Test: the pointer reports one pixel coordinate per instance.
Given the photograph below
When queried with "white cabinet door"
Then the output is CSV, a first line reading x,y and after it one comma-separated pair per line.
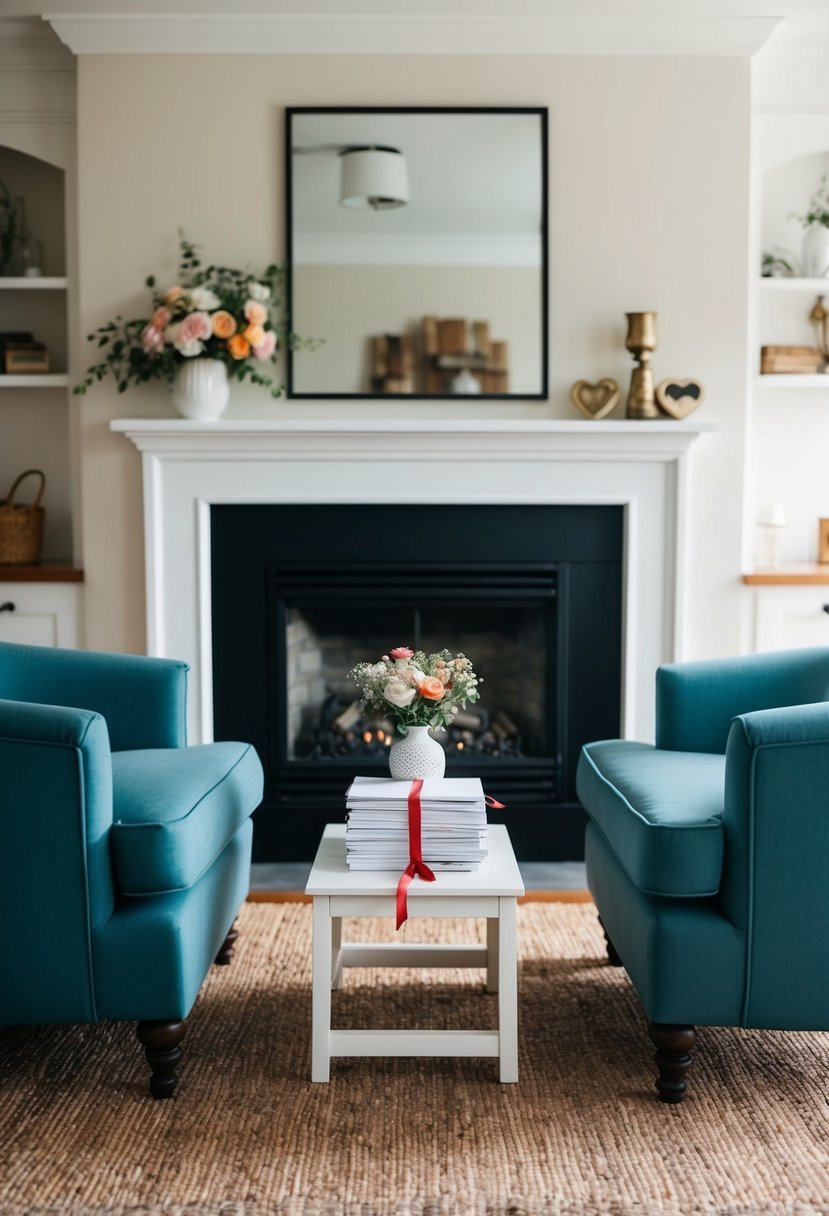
x,y
789,617
39,614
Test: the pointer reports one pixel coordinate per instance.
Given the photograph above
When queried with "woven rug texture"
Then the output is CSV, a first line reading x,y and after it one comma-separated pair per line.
x,y
581,1134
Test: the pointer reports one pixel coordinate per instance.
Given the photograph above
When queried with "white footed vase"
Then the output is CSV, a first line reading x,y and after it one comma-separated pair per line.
x,y
816,252
416,754
201,389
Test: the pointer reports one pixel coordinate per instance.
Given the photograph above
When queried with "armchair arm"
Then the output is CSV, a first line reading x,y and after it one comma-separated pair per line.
x,y
773,890
143,700
695,702
55,872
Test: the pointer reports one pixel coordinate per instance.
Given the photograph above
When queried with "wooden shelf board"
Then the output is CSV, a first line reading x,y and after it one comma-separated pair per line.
x,y
48,572
807,574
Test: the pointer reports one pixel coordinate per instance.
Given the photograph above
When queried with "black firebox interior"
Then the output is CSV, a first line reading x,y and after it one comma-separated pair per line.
x,y
532,594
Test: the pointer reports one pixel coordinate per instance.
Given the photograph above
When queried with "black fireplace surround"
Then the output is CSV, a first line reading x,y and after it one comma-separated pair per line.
x,y
532,594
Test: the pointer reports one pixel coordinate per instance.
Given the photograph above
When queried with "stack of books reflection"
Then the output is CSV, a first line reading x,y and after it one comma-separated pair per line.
x,y
453,831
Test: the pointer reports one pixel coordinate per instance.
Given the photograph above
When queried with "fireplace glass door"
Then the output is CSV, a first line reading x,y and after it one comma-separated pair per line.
x,y
506,626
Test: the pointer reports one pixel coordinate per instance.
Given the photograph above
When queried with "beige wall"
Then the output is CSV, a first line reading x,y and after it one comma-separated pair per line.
x,y
648,210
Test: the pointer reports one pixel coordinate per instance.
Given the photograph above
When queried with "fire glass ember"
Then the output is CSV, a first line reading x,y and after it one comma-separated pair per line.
x,y
343,730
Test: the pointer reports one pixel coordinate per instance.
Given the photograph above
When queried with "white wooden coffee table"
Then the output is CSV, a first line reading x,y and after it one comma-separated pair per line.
x,y
491,892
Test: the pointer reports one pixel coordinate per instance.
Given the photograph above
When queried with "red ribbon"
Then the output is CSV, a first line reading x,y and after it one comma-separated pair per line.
x,y
416,864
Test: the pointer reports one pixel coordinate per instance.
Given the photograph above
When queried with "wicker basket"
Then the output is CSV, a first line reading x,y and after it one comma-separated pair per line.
x,y
21,526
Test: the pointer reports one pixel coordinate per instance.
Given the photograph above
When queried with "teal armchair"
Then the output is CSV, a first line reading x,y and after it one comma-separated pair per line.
x,y
707,854
124,854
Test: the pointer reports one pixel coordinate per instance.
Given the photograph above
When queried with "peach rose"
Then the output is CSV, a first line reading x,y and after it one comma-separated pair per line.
x,y
254,334
255,312
173,294
224,325
239,347
430,688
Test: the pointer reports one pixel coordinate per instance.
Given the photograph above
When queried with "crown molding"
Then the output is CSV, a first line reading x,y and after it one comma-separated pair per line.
x,y
416,34
29,44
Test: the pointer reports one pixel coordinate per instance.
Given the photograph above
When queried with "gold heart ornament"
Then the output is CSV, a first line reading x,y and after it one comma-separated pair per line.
x,y
678,398
595,400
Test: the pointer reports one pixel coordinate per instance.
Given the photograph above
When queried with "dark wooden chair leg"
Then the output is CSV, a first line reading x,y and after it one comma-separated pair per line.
x,y
160,1041
226,949
612,956
674,1045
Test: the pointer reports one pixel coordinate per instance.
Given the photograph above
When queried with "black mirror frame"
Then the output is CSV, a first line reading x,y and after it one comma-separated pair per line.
x,y
541,113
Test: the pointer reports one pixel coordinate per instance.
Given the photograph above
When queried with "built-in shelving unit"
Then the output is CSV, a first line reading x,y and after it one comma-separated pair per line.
x,y
40,603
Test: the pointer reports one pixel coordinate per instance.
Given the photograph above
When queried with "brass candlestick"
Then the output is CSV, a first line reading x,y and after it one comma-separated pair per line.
x,y
641,342
819,316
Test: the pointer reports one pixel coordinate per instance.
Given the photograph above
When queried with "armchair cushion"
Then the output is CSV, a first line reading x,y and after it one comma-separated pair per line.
x,y
659,811
175,809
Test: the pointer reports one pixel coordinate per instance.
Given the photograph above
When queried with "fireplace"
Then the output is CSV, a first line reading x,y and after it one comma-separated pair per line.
x,y
643,469
532,594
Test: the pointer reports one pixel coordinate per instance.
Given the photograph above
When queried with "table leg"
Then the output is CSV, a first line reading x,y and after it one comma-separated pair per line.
x,y
508,989
336,951
492,954
321,991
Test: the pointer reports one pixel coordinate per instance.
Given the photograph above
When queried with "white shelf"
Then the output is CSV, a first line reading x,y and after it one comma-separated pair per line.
x,y
820,286
37,283
785,380
36,380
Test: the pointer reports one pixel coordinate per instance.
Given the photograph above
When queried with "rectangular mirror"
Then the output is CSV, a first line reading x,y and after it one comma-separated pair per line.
x,y
417,250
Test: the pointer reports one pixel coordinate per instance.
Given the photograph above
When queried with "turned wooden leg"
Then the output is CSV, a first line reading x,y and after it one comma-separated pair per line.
x,y
612,956
161,1045
674,1045
226,949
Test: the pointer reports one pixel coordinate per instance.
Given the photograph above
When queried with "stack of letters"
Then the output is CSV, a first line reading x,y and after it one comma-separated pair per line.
x,y
452,815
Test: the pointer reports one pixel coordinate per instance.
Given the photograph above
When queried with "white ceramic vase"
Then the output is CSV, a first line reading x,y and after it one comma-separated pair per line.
x,y
816,252
416,754
201,389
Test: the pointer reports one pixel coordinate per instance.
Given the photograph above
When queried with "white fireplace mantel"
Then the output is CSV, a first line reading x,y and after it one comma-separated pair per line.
x,y
189,466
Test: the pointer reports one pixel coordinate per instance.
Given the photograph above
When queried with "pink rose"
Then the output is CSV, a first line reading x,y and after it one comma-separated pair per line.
x,y
152,340
255,312
161,318
402,652
195,327
265,348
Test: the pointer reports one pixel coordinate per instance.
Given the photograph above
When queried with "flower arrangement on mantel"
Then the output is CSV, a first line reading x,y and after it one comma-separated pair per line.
x,y
211,312
416,689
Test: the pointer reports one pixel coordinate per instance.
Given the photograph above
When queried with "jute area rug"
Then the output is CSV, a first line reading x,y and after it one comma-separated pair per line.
x,y
249,1135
